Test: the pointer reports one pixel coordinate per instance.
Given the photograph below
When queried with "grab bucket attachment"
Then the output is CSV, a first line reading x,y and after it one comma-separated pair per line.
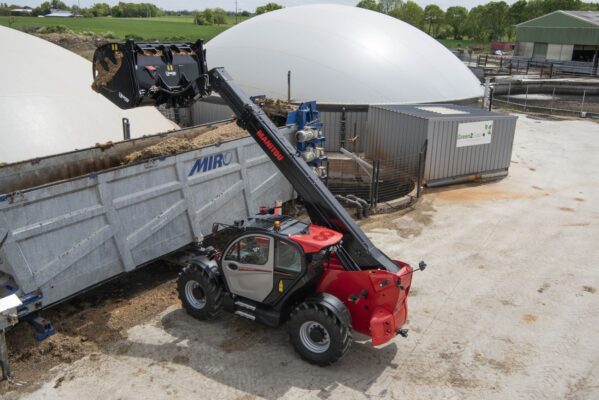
x,y
135,74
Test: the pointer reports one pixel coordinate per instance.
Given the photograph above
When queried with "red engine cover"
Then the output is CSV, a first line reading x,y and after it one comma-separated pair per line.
x,y
317,239
383,310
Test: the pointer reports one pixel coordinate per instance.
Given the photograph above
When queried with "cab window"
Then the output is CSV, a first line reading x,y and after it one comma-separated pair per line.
x,y
250,250
288,258
233,253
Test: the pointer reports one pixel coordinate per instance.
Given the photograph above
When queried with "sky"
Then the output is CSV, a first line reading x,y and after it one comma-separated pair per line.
x,y
249,5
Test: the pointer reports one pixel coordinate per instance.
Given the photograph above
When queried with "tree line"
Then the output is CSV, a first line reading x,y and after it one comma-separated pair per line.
x,y
495,20
217,16
143,10
208,16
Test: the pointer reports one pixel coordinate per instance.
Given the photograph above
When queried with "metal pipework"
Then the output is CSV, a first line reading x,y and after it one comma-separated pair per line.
x,y
364,203
351,203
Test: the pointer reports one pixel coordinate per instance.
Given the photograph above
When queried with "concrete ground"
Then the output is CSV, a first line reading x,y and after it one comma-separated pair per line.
x,y
508,307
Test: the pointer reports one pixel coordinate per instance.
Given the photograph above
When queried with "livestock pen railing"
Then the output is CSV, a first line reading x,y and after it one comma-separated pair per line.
x,y
564,100
374,182
508,65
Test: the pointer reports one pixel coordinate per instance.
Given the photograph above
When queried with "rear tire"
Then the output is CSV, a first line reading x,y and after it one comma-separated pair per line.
x,y
317,335
200,295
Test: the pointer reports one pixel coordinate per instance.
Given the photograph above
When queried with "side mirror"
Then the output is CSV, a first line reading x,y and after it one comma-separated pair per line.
x,y
421,265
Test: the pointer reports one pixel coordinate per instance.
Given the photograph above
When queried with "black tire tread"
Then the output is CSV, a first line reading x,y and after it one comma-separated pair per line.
x,y
298,316
212,289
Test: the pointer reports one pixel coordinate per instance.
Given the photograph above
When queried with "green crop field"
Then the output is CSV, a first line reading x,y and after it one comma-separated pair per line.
x,y
463,43
189,19
180,28
161,28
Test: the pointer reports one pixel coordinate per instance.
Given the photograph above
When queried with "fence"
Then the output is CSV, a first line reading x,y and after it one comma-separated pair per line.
x,y
550,99
502,65
377,181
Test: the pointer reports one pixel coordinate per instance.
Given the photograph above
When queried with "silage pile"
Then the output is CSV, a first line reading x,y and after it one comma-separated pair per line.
x,y
178,144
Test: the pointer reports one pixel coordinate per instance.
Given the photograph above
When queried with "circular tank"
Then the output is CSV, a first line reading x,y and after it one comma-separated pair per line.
x,y
47,105
340,55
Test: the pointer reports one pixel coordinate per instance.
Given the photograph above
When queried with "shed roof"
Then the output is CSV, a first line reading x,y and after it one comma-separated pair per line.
x,y
60,14
561,27
589,16
578,18
439,111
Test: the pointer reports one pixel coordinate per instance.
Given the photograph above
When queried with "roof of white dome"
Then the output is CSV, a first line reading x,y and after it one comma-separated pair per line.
x,y
47,105
342,55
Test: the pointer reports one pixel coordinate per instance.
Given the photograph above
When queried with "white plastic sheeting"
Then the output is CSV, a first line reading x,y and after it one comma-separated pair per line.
x,y
47,105
341,55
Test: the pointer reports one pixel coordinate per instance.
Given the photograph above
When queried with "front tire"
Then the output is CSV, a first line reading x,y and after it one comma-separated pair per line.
x,y
317,335
200,295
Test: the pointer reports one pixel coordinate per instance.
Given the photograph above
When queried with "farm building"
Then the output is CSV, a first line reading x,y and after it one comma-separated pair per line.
x,y
560,36
61,14
21,11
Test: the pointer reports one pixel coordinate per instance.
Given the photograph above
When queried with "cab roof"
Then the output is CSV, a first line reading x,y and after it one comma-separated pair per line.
x,y
312,238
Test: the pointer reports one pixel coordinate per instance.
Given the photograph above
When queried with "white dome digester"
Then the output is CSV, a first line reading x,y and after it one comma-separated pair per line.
x,y
340,55
47,105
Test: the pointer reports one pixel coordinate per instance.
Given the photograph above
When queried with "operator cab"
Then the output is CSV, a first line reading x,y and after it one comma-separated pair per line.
x,y
269,255
312,238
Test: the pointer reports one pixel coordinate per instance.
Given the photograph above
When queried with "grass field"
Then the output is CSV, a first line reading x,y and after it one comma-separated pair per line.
x,y
230,19
463,43
161,28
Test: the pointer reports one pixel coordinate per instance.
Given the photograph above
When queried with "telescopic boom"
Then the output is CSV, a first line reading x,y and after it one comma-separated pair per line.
x,y
135,74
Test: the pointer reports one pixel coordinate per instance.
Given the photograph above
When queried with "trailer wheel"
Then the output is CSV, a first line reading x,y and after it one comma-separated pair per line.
x,y
317,335
200,295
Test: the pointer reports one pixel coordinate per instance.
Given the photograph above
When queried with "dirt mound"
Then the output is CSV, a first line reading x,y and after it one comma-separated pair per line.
x,y
81,44
192,140
90,323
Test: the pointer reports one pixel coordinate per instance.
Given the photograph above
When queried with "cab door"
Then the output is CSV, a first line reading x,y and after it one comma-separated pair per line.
x,y
248,266
289,266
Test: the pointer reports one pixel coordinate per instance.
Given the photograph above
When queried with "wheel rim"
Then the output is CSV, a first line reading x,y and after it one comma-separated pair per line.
x,y
315,337
195,295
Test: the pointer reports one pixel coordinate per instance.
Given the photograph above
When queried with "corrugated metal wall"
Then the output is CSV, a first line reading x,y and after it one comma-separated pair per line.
x,y
204,112
445,160
71,235
399,132
212,109
394,136
355,125
585,36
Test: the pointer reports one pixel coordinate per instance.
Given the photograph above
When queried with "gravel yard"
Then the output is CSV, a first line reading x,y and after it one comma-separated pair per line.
x,y
508,308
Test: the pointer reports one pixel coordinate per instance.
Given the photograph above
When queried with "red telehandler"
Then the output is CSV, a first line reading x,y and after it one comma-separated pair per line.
x,y
322,279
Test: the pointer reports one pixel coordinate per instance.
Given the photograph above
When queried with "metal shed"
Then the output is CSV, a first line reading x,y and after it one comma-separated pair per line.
x,y
463,143
344,125
560,36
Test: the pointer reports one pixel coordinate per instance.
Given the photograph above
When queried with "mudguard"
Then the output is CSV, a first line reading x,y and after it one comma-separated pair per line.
x,y
333,304
204,263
